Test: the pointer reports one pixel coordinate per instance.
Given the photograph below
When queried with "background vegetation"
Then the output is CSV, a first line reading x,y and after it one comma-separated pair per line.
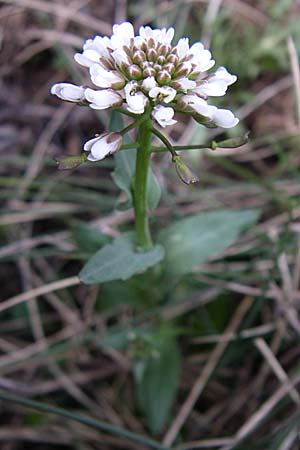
x,y
204,355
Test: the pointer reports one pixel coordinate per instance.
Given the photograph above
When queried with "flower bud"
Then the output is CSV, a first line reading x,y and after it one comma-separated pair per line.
x,y
151,43
134,72
68,92
184,172
160,59
152,54
163,77
139,57
163,49
149,72
169,67
103,145
172,59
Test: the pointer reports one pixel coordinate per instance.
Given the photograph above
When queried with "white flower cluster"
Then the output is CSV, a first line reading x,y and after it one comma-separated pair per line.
x,y
146,72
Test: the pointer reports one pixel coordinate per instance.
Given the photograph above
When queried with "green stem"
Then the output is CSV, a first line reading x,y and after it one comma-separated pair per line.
x,y
164,140
143,236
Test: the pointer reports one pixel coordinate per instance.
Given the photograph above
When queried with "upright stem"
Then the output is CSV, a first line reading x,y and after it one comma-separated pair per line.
x,y
143,236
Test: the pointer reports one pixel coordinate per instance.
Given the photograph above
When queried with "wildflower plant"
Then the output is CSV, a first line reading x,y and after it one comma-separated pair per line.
x,y
148,79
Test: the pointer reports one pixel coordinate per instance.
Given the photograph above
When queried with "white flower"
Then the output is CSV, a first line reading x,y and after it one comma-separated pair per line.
x,y
216,84
163,115
147,71
136,100
106,78
201,57
149,83
93,51
164,93
103,99
184,84
223,117
122,34
69,92
182,47
162,36
219,117
102,146
120,57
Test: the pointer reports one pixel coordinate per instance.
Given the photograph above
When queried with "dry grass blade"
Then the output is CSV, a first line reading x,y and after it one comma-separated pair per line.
x,y
66,13
262,413
277,368
205,375
51,287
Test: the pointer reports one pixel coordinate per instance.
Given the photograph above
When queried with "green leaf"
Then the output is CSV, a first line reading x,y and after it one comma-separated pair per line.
x,y
125,166
119,261
156,381
192,241
88,239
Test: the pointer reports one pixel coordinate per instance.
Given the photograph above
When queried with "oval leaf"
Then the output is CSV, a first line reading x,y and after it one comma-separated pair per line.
x,y
119,261
192,241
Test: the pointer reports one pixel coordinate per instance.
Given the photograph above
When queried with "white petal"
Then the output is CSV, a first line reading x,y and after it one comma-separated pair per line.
x,y
87,58
149,83
163,115
103,99
185,84
223,74
105,78
88,144
224,118
101,44
102,145
136,100
164,36
136,103
122,34
166,92
201,57
120,57
69,92
216,85
194,102
182,47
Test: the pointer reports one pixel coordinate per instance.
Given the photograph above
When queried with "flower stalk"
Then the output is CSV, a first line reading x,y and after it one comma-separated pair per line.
x,y
143,236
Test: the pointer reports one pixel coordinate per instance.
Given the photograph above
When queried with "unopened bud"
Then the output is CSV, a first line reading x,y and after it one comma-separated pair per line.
x,y
163,49
139,56
163,77
149,72
151,43
169,67
184,172
232,142
134,72
152,54
157,67
172,59
160,59
69,162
